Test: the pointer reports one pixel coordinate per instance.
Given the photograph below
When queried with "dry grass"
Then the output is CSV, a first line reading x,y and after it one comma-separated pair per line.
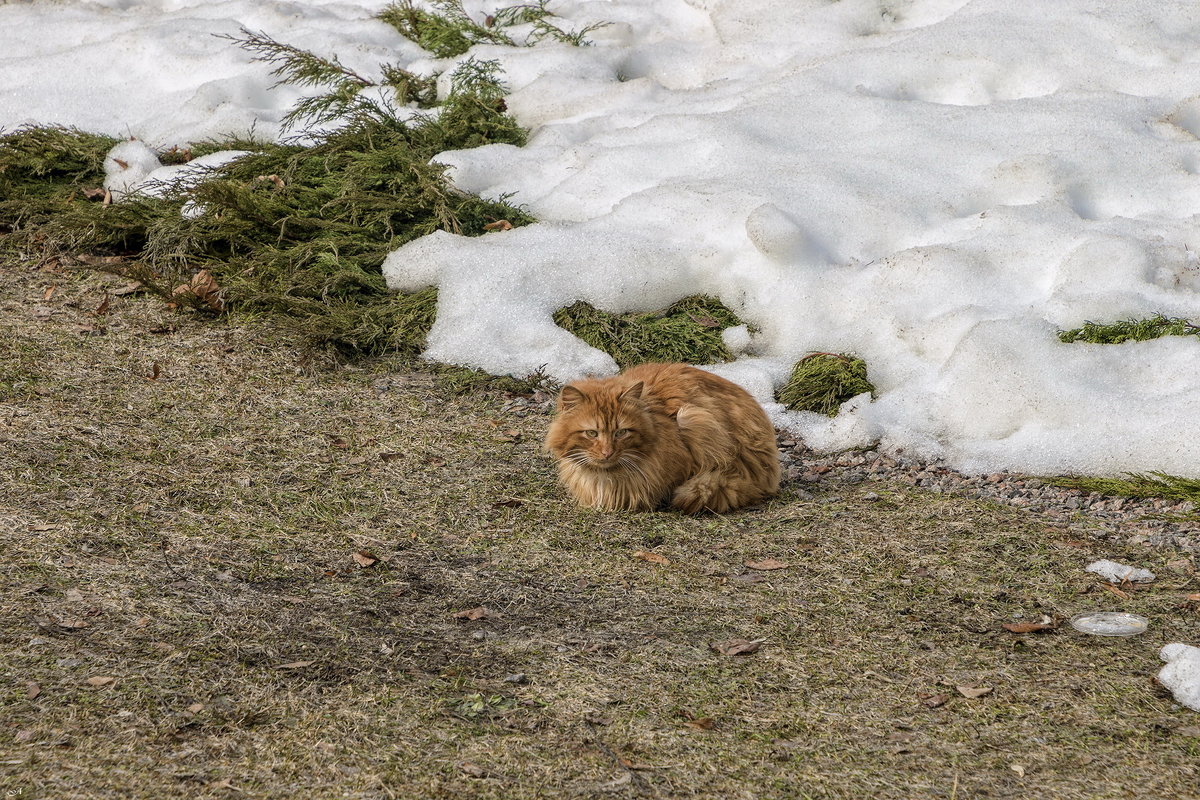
x,y
192,537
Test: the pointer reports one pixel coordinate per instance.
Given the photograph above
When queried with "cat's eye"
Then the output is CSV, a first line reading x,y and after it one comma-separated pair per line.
x,y
591,434
622,432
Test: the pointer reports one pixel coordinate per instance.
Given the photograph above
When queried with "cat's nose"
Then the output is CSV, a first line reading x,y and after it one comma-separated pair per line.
x,y
606,452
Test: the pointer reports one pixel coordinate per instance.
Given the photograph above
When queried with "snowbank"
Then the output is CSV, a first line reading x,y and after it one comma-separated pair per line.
x,y
938,188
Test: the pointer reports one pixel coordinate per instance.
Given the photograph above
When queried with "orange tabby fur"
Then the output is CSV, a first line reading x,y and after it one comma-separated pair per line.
x,y
663,433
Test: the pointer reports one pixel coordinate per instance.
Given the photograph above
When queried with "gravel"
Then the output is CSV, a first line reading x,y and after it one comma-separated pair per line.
x,y
1151,521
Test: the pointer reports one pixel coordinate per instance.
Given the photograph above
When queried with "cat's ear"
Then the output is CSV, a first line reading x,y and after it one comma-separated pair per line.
x,y
570,397
633,392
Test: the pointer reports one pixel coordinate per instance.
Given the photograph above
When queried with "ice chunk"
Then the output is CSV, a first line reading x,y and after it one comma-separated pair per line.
x,y
1181,675
1119,573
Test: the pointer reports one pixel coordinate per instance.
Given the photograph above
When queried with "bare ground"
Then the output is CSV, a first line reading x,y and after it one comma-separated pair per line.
x,y
234,568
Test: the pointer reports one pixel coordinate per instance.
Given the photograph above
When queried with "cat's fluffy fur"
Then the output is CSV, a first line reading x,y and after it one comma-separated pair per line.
x,y
663,434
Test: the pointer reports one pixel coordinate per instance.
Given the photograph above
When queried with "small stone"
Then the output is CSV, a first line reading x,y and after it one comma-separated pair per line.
x,y
517,677
479,635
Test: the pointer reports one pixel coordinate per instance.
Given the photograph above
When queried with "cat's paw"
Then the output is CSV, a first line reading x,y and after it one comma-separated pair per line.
x,y
701,493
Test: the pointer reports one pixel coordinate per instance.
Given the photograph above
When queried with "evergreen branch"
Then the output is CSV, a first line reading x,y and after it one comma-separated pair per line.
x,y
296,66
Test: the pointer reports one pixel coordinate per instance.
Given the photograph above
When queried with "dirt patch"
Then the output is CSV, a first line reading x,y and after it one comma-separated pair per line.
x,y
236,567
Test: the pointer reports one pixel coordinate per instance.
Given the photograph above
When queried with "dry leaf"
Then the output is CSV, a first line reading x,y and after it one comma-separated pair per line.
x,y
363,558
97,193
102,309
196,708
499,225
473,614
737,647
474,770
100,680
32,691
1017,768
275,179
1195,597
1028,627
74,595
41,527
700,724
73,623
510,503
390,456
129,288
296,665
934,700
123,164
25,735
1116,591
50,290
767,564
652,557
155,371
202,289
973,692
101,261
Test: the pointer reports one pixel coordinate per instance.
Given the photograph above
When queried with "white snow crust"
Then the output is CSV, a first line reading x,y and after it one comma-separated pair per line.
x,y
1181,675
937,186
1115,572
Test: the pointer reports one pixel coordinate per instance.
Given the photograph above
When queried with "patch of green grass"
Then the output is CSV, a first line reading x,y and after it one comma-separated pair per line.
x,y
821,382
1137,330
1154,484
688,331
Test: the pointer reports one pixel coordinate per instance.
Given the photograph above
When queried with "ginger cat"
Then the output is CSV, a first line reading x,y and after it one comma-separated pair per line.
x,y
663,434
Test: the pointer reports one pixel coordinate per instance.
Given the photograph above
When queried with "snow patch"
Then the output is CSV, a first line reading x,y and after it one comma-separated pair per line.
x,y
1115,572
1181,675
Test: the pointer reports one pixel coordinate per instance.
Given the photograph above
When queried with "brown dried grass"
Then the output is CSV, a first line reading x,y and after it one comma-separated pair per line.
x,y
201,524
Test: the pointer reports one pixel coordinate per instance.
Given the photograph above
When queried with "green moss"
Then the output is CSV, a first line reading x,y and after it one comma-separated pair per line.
x,y
821,382
688,331
1138,330
1154,484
